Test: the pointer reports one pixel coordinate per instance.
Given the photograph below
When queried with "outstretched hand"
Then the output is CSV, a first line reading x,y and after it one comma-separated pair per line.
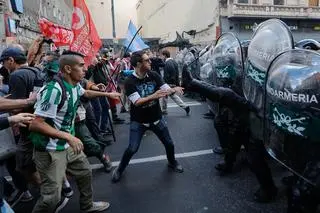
x,y
178,90
23,119
160,94
114,95
101,87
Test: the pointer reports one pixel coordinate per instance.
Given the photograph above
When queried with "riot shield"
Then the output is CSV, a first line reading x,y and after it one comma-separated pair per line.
x,y
292,110
206,73
228,63
271,38
245,46
206,64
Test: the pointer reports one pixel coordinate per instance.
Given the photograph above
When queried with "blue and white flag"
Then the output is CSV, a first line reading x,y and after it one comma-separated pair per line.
x,y
137,44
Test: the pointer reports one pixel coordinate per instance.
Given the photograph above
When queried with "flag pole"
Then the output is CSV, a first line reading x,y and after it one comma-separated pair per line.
x,y
126,50
135,35
104,66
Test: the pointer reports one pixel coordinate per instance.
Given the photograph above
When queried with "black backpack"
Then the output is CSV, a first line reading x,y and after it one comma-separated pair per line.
x,y
40,81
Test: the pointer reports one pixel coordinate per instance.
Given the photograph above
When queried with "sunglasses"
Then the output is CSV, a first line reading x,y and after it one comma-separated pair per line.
x,y
147,60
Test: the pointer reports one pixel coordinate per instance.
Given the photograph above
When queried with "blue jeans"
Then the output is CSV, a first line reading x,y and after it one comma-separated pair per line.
x,y
95,103
101,111
137,131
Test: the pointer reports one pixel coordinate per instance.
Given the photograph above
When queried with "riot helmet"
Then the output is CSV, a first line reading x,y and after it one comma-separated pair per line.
x,y
271,38
228,63
292,110
309,44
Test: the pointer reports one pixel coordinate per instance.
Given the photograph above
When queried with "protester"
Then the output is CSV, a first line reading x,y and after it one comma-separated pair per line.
x,y
57,150
171,77
20,119
21,84
156,63
125,67
144,88
92,147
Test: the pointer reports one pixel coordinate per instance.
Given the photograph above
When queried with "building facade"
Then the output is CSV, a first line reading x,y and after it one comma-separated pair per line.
x,y
207,19
240,16
100,11
163,18
19,18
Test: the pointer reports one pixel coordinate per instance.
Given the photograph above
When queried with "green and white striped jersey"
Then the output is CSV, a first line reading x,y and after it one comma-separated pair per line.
x,y
49,97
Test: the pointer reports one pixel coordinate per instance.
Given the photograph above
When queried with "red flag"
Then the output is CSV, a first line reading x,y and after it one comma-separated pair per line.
x,y
60,35
86,39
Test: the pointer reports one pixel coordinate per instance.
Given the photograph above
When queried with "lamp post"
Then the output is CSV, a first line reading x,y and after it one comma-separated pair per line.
x,y
113,20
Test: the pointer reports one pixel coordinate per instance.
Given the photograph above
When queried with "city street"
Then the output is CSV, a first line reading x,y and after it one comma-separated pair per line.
x,y
149,187
259,58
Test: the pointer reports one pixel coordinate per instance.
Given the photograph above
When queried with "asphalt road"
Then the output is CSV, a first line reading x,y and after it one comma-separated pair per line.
x,y
149,187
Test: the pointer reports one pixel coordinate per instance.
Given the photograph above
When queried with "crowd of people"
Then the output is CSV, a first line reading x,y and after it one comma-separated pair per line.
x,y
59,113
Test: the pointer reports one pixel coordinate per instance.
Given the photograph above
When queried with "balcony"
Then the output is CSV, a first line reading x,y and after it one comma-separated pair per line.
x,y
3,6
271,11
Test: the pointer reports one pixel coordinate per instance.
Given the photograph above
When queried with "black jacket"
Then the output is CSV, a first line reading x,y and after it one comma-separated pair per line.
x,y
4,123
156,64
98,74
171,72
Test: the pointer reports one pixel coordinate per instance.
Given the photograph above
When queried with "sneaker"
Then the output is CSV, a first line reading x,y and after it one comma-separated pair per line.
x,y
118,121
176,167
97,207
104,140
187,109
288,180
123,110
6,208
264,196
107,164
26,197
116,175
224,168
15,197
218,150
209,113
67,192
106,133
62,203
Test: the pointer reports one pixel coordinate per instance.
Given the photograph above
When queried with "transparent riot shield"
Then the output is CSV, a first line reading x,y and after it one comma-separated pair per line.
x,y
228,63
292,110
206,73
245,46
206,64
271,38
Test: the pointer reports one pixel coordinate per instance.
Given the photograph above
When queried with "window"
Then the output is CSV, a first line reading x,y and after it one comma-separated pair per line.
x,y
255,1
243,1
278,2
45,12
54,12
313,3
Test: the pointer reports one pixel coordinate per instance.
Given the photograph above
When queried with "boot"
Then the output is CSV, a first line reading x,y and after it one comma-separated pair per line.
x,y
265,195
224,168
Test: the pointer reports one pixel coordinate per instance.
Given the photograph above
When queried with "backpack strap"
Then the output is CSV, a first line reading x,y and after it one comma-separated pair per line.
x,y
35,70
59,80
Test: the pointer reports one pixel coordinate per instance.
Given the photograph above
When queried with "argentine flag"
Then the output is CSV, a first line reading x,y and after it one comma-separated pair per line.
x,y
137,43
